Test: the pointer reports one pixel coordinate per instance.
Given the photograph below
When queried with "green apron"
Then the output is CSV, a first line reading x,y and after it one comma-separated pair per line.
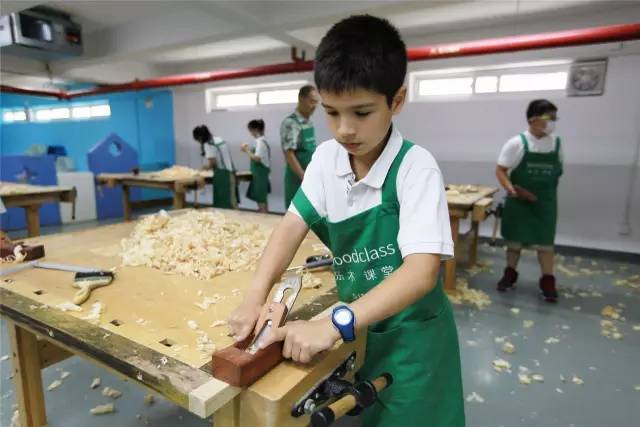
x,y
303,153
418,346
260,186
225,190
534,223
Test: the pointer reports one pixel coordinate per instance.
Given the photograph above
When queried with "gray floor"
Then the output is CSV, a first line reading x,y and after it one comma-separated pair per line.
x,y
610,395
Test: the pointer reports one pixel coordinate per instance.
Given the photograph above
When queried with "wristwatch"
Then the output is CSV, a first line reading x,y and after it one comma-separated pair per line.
x,y
344,321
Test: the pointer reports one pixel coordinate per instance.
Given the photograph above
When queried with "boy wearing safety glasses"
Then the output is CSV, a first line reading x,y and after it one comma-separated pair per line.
x,y
529,168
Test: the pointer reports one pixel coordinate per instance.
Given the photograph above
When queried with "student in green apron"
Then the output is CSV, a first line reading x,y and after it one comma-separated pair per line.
x,y
529,168
378,202
218,155
298,139
260,163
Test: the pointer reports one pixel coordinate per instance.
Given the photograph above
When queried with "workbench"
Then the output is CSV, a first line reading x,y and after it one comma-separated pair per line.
x,y
143,334
464,204
31,197
178,186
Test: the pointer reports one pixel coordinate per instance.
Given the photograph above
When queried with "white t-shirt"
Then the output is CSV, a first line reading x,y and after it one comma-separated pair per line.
x,y
262,151
513,151
424,216
211,152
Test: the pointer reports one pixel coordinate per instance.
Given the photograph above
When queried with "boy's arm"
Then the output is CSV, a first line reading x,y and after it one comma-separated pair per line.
x,y
275,259
410,282
503,178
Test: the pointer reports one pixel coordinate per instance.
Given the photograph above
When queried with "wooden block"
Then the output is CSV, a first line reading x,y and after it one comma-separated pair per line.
x,y
31,251
237,367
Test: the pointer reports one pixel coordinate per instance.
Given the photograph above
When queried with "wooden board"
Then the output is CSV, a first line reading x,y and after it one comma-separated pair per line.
x,y
17,194
151,180
144,311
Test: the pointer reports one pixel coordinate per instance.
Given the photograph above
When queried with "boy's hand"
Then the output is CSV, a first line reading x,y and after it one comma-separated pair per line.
x,y
244,147
304,339
243,319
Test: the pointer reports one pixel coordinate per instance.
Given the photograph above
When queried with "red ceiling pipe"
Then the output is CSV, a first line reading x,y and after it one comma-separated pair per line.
x,y
612,33
12,89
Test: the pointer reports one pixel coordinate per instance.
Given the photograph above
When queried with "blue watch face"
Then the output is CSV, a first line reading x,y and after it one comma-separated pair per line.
x,y
343,317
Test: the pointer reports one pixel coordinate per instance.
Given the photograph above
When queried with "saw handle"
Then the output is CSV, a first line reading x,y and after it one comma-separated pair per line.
x,y
365,397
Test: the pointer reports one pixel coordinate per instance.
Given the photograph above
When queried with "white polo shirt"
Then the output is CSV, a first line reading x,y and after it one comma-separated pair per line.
x,y
424,216
513,151
262,151
211,152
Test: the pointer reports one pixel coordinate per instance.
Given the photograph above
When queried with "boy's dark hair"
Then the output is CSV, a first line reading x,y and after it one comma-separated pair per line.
x,y
539,107
201,134
305,91
257,124
361,52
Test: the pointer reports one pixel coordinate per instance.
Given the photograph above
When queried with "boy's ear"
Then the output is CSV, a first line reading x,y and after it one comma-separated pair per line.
x,y
398,100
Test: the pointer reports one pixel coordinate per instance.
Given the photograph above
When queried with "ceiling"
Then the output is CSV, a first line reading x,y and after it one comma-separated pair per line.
x,y
126,40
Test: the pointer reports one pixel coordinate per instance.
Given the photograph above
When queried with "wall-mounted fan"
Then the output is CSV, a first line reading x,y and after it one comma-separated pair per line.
x,y
586,78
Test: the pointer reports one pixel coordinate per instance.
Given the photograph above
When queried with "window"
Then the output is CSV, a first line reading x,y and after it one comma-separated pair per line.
x,y
533,82
51,113
498,80
253,95
456,86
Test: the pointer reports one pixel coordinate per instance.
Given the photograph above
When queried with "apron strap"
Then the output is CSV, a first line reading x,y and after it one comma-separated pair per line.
x,y
557,150
525,142
389,190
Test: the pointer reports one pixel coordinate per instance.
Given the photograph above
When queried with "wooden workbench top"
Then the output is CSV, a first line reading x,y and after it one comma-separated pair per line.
x,y
8,189
143,331
464,196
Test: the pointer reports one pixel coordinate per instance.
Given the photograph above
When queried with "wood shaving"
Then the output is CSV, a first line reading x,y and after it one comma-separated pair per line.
x,y
501,365
111,393
54,385
198,244
464,294
149,399
103,409
515,310
577,308
475,397
95,383
310,282
206,302
500,340
611,312
97,309
218,323
636,388
577,380
472,343
636,328
537,378
192,324
15,419
456,189
64,375
559,390
204,344
508,348
524,379
552,340
164,360
3,358
68,306
528,323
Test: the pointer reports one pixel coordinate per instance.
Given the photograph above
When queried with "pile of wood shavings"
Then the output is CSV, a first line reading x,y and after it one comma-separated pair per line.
x,y
17,257
177,172
198,244
464,294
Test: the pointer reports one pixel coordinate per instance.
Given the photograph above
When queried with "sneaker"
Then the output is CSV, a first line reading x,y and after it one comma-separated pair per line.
x,y
508,279
548,287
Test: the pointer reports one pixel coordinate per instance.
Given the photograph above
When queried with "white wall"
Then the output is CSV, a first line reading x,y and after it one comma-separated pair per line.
x,y
600,137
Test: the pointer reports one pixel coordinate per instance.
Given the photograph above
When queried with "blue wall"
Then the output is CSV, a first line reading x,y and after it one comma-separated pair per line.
x,y
144,119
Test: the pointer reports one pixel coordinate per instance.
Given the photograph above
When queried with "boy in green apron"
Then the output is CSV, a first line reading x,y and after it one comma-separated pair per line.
x,y
298,139
378,202
218,155
260,163
529,168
